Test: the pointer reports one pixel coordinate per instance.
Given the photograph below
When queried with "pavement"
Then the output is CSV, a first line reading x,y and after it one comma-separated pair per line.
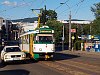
x,y
79,52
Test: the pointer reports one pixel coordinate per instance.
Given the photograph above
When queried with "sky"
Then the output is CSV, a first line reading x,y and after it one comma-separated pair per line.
x,y
19,9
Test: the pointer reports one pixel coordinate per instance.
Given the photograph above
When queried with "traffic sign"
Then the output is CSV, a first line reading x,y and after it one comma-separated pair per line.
x,y
73,30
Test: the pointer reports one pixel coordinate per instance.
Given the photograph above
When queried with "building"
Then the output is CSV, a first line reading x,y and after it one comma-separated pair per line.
x,y
25,27
75,21
78,23
5,29
1,24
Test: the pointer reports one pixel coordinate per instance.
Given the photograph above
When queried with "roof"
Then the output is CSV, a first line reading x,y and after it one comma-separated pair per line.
x,y
75,21
1,18
29,26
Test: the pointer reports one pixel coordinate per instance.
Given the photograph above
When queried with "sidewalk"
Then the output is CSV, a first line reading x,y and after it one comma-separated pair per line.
x,y
79,52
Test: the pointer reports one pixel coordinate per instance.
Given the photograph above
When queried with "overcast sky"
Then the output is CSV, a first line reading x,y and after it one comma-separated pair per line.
x,y
17,9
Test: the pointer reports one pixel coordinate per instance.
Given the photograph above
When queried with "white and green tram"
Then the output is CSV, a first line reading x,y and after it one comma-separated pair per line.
x,y
39,43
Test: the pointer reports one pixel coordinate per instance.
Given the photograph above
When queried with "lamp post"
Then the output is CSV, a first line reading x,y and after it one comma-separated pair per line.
x,y
69,26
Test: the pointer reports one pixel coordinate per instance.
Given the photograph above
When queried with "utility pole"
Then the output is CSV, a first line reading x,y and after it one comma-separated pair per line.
x,y
39,15
44,15
90,29
70,30
63,39
69,25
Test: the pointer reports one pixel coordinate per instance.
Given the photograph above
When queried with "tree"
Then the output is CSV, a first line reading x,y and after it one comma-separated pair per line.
x,y
96,27
96,10
96,23
51,15
86,29
57,26
48,15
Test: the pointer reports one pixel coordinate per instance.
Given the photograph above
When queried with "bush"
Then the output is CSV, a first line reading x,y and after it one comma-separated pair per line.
x,y
77,45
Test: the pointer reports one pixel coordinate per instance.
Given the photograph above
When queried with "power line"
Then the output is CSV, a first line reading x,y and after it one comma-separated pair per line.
x,y
79,6
73,6
80,2
28,7
60,5
42,3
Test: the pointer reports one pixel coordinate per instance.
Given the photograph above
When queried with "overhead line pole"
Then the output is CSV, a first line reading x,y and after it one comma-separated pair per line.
x,y
38,16
45,15
70,30
69,26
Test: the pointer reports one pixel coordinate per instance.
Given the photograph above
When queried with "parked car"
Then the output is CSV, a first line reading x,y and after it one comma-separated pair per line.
x,y
12,53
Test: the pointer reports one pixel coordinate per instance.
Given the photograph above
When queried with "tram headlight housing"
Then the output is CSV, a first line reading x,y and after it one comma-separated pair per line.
x,y
52,49
23,55
40,49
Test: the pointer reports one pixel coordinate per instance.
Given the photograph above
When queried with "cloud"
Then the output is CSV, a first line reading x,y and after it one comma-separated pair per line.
x,y
8,3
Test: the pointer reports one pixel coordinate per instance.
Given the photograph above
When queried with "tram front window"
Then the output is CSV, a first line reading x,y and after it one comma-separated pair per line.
x,y
45,39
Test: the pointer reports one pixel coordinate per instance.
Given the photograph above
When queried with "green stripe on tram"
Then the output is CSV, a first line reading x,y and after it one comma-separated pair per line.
x,y
43,43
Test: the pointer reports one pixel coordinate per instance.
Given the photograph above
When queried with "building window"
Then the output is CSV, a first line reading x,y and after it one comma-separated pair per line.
x,y
3,20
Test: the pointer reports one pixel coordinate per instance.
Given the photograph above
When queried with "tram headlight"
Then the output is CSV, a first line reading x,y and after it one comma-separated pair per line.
x,y
23,55
52,49
40,49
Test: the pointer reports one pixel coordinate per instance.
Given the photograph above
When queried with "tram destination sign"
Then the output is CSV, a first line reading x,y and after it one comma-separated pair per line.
x,y
45,31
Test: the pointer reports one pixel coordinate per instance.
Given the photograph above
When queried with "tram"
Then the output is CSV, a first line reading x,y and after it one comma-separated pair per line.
x,y
38,43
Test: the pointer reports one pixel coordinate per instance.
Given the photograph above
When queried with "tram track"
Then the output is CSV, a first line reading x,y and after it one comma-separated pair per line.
x,y
73,67
81,66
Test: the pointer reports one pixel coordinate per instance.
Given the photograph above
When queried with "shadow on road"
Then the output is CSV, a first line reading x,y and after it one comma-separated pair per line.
x,y
14,72
62,56
2,65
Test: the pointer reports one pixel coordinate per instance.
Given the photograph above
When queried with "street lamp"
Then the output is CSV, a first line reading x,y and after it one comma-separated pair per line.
x,y
69,25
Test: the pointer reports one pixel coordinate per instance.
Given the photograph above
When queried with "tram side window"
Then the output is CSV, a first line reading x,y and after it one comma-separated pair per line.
x,y
26,40
21,40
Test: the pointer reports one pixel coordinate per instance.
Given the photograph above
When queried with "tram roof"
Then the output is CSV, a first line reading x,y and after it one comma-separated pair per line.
x,y
43,29
30,32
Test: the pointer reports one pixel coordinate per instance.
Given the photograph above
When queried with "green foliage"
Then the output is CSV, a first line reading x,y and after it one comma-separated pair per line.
x,y
96,26
51,15
77,45
96,23
96,10
43,16
57,26
48,15
86,29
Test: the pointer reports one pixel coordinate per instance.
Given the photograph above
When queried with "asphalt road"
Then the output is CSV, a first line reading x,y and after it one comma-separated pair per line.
x,y
66,63
27,68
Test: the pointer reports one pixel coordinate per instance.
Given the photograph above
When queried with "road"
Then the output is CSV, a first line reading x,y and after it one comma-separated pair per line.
x,y
65,64
27,68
